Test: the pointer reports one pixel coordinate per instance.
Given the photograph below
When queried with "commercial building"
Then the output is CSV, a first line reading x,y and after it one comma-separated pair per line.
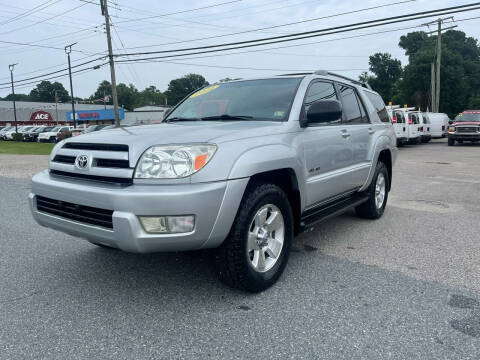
x,y
41,113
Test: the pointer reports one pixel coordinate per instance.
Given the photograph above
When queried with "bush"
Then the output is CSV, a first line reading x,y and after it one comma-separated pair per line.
x,y
17,137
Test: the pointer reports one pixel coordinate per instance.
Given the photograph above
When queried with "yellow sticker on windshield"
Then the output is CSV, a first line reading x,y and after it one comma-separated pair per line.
x,y
204,91
278,113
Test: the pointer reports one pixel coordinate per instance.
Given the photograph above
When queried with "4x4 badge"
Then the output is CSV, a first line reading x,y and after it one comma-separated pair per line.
x,y
81,161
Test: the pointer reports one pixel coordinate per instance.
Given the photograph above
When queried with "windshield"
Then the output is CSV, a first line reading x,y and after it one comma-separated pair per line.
x,y
468,116
55,129
268,99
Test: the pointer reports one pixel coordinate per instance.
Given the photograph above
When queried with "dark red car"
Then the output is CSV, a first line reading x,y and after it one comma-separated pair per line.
x,y
466,127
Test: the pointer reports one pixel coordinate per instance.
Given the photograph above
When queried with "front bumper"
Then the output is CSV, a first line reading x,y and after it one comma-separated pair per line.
x,y
214,205
464,136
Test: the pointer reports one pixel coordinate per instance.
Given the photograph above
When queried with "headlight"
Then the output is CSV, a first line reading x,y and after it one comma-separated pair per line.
x,y
451,129
173,161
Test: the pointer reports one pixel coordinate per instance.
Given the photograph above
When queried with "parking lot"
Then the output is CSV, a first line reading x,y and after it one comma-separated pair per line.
x,y
406,286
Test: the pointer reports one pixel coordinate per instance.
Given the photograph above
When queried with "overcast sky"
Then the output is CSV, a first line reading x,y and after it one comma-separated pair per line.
x,y
82,22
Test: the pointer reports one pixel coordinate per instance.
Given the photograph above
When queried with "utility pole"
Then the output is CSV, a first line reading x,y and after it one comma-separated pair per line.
x,y
56,106
11,67
438,65
104,6
432,85
68,50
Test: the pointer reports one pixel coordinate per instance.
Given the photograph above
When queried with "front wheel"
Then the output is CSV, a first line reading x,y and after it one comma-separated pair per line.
x,y
377,193
256,251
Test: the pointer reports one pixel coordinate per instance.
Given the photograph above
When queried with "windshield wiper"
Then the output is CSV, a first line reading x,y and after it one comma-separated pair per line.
x,y
227,117
176,118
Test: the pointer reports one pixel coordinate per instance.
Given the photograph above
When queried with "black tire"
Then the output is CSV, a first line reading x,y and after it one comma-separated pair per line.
x,y
232,260
369,209
451,142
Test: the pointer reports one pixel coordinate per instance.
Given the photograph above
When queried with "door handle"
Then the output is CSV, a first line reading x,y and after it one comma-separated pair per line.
x,y
345,134
371,131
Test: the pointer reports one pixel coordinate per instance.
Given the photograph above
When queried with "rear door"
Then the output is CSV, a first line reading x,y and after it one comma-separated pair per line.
x,y
360,129
399,125
412,125
327,149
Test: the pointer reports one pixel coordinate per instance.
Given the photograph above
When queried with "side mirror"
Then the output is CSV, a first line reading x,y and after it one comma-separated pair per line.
x,y
450,122
323,111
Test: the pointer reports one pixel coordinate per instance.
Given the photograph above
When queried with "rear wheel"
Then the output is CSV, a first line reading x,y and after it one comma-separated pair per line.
x,y
451,142
377,192
256,251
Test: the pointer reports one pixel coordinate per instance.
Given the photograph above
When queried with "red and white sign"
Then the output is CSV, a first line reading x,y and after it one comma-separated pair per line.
x,y
41,116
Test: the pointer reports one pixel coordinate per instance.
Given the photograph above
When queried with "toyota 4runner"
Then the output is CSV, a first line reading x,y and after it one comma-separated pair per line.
x,y
241,167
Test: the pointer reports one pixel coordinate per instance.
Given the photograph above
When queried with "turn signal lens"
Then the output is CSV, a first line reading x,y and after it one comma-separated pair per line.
x,y
168,224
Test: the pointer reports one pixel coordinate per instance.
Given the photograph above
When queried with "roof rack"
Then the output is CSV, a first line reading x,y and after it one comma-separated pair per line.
x,y
329,73
325,72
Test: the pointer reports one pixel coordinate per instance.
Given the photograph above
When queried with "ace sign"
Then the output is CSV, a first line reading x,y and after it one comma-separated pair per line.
x,y
41,116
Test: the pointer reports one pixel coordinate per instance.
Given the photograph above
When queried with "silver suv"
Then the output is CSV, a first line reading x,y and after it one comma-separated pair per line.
x,y
241,167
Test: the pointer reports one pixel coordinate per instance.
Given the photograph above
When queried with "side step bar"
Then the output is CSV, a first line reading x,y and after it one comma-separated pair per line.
x,y
311,217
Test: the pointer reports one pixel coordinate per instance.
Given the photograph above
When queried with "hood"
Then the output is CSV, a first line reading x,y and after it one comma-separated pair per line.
x,y
466,123
139,138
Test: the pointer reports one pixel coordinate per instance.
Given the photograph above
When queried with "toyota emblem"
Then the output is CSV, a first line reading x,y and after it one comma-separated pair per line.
x,y
81,161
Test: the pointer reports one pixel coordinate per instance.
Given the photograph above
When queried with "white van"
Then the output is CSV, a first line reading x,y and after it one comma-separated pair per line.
x,y
398,123
423,125
410,128
438,124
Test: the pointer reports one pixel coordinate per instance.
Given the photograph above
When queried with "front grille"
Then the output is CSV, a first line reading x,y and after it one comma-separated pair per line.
x,y
84,214
64,159
109,179
99,147
112,163
465,129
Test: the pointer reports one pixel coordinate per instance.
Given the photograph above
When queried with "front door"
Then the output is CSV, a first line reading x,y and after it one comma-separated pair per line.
x,y
327,148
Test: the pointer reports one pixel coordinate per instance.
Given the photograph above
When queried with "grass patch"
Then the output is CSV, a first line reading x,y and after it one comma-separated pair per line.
x,y
25,148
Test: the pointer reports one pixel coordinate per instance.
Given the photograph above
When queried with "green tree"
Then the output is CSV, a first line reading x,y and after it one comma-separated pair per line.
x,y
460,70
45,91
151,96
386,73
103,89
18,97
179,88
128,96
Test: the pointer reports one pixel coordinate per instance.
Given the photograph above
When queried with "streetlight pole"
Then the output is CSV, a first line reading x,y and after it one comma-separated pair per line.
x,y
68,50
11,67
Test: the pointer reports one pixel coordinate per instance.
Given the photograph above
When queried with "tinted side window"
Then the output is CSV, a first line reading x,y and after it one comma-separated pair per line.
x,y
379,105
351,107
320,90
399,117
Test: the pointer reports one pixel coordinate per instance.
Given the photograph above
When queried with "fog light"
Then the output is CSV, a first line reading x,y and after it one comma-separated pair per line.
x,y
168,224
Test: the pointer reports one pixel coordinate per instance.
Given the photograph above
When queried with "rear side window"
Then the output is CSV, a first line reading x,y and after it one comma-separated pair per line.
x,y
379,105
353,111
398,115
414,118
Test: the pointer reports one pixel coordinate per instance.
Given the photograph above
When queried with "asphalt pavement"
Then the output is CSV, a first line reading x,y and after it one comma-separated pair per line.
x,y
404,287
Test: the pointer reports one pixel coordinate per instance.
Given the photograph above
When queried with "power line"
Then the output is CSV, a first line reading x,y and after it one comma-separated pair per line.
x,y
331,30
277,26
28,12
241,67
57,76
179,12
314,33
56,72
42,21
